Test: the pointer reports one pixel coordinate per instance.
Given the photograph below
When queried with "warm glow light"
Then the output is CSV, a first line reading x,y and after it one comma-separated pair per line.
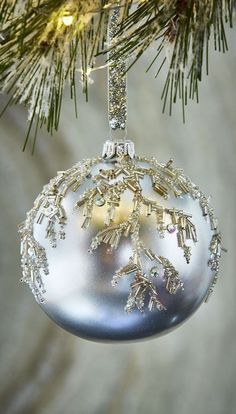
x,y
67,20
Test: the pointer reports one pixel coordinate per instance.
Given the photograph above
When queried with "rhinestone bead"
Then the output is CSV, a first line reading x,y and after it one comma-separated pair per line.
x,y
154,271
100,201
171,228
31,252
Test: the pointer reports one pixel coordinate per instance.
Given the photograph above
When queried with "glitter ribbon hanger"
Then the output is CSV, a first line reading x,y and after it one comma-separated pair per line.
x,y
117,95
117,79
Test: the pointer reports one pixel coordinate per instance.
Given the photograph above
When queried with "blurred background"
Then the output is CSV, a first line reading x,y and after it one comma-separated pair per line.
x,y
44,370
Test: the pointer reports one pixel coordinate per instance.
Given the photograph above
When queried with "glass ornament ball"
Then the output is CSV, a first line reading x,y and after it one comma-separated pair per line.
x,y
120,248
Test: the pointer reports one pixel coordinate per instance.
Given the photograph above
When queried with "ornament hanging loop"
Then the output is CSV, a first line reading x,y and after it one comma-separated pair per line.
x,y
117,80
117,145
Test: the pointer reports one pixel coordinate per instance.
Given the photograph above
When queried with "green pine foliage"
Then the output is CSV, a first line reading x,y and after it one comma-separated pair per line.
x,y
40,54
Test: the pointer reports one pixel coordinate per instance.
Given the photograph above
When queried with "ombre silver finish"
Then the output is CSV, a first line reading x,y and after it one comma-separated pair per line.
x,y
79,296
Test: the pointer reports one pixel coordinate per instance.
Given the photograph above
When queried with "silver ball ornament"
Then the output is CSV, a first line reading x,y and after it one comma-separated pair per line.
x,y
120,248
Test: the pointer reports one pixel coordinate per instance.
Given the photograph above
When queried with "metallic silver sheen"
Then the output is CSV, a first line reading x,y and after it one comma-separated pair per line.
x,y
113,149
79,296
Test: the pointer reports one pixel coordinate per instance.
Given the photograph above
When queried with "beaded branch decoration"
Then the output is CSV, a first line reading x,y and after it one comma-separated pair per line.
x,y
123,174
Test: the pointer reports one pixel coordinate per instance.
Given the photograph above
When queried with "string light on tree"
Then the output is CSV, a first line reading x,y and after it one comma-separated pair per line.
x,y
67,19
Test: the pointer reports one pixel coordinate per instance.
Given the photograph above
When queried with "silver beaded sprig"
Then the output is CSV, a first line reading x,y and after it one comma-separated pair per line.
x,y
110,184
48,206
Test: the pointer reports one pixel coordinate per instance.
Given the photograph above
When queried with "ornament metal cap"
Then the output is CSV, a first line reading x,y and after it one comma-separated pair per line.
x,y
113,149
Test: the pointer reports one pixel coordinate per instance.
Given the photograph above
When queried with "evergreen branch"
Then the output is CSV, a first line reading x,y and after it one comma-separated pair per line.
x,y
40,52
182,29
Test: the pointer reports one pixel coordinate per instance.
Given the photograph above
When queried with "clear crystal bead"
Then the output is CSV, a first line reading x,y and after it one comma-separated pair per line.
x,y
100,201
31,252
171,228
154,271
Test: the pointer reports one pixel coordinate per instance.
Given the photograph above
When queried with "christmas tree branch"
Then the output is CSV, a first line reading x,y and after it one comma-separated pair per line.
x,y
45,45
182,30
